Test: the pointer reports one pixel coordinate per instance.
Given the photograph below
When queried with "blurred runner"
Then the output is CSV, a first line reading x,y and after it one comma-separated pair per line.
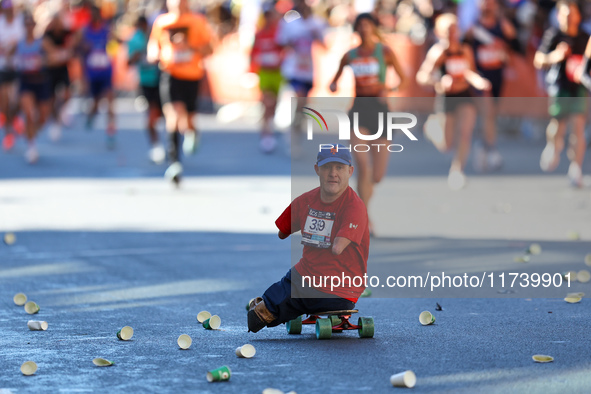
x,y
561,53
34,85
99,70
369,62
266,60
179,40
457,73
58,41
298,30
11,32
149,79
489,39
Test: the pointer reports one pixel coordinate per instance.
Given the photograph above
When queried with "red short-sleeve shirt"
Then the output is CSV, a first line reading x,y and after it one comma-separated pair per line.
x,y
320,223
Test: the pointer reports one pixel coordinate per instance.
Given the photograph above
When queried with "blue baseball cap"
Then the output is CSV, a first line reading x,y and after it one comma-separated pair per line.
x,y
333,153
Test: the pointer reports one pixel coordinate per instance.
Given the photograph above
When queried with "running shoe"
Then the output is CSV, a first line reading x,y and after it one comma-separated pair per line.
x,y
32,155
549,159
268,143
174,172
8,142
111,141
190,142
89,123
65,117
456,180
494,160
479,160
18,124
575,175
55,131
157,154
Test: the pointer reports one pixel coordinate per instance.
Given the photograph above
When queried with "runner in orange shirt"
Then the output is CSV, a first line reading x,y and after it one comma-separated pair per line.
x,y
179,41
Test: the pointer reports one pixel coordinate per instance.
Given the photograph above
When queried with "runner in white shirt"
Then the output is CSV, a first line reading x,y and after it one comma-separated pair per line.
x,y
12,30
297,34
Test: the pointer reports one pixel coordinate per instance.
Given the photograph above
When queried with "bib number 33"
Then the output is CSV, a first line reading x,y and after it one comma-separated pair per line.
x,y
318,229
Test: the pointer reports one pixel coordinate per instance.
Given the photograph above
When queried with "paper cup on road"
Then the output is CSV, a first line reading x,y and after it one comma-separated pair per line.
x,y
404,379
28,368
245,351
534,249
583,276
184,341
573,300
539,358
203,316
521,259
101,362
125,333
219,375
213,323
20,299
570,275
426,318
31,308
36,325
9,238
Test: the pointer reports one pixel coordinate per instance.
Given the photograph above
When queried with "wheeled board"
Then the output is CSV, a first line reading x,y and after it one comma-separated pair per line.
x,y
334,322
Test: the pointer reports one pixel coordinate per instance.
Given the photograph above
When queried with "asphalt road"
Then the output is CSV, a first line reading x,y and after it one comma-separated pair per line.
x,y
103,242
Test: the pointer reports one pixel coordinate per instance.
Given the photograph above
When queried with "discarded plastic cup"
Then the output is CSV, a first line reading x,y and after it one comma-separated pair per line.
x,y
404,379
539,358
521,259
573,300
203,316
219,374
37,325
28,368
125,333
213,323
184,341
426,318
245,351
20,299
570,276
583,276
534,249
101,362
9,238
31,308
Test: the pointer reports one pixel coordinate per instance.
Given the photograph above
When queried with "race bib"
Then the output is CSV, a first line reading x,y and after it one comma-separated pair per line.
x,y
98,60
456,66
269,59
31,63
304,63
318,229
182,57
490,57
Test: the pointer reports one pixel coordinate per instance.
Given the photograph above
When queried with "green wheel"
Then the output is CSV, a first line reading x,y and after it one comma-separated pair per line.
x,y
335,320
366,327
323,329
294,326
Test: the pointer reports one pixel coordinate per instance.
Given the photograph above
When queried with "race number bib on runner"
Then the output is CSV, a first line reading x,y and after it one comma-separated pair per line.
x,y
98,60
318,229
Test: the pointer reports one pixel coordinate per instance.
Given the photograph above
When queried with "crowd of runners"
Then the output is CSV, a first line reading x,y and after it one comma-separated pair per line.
x,y
465,50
